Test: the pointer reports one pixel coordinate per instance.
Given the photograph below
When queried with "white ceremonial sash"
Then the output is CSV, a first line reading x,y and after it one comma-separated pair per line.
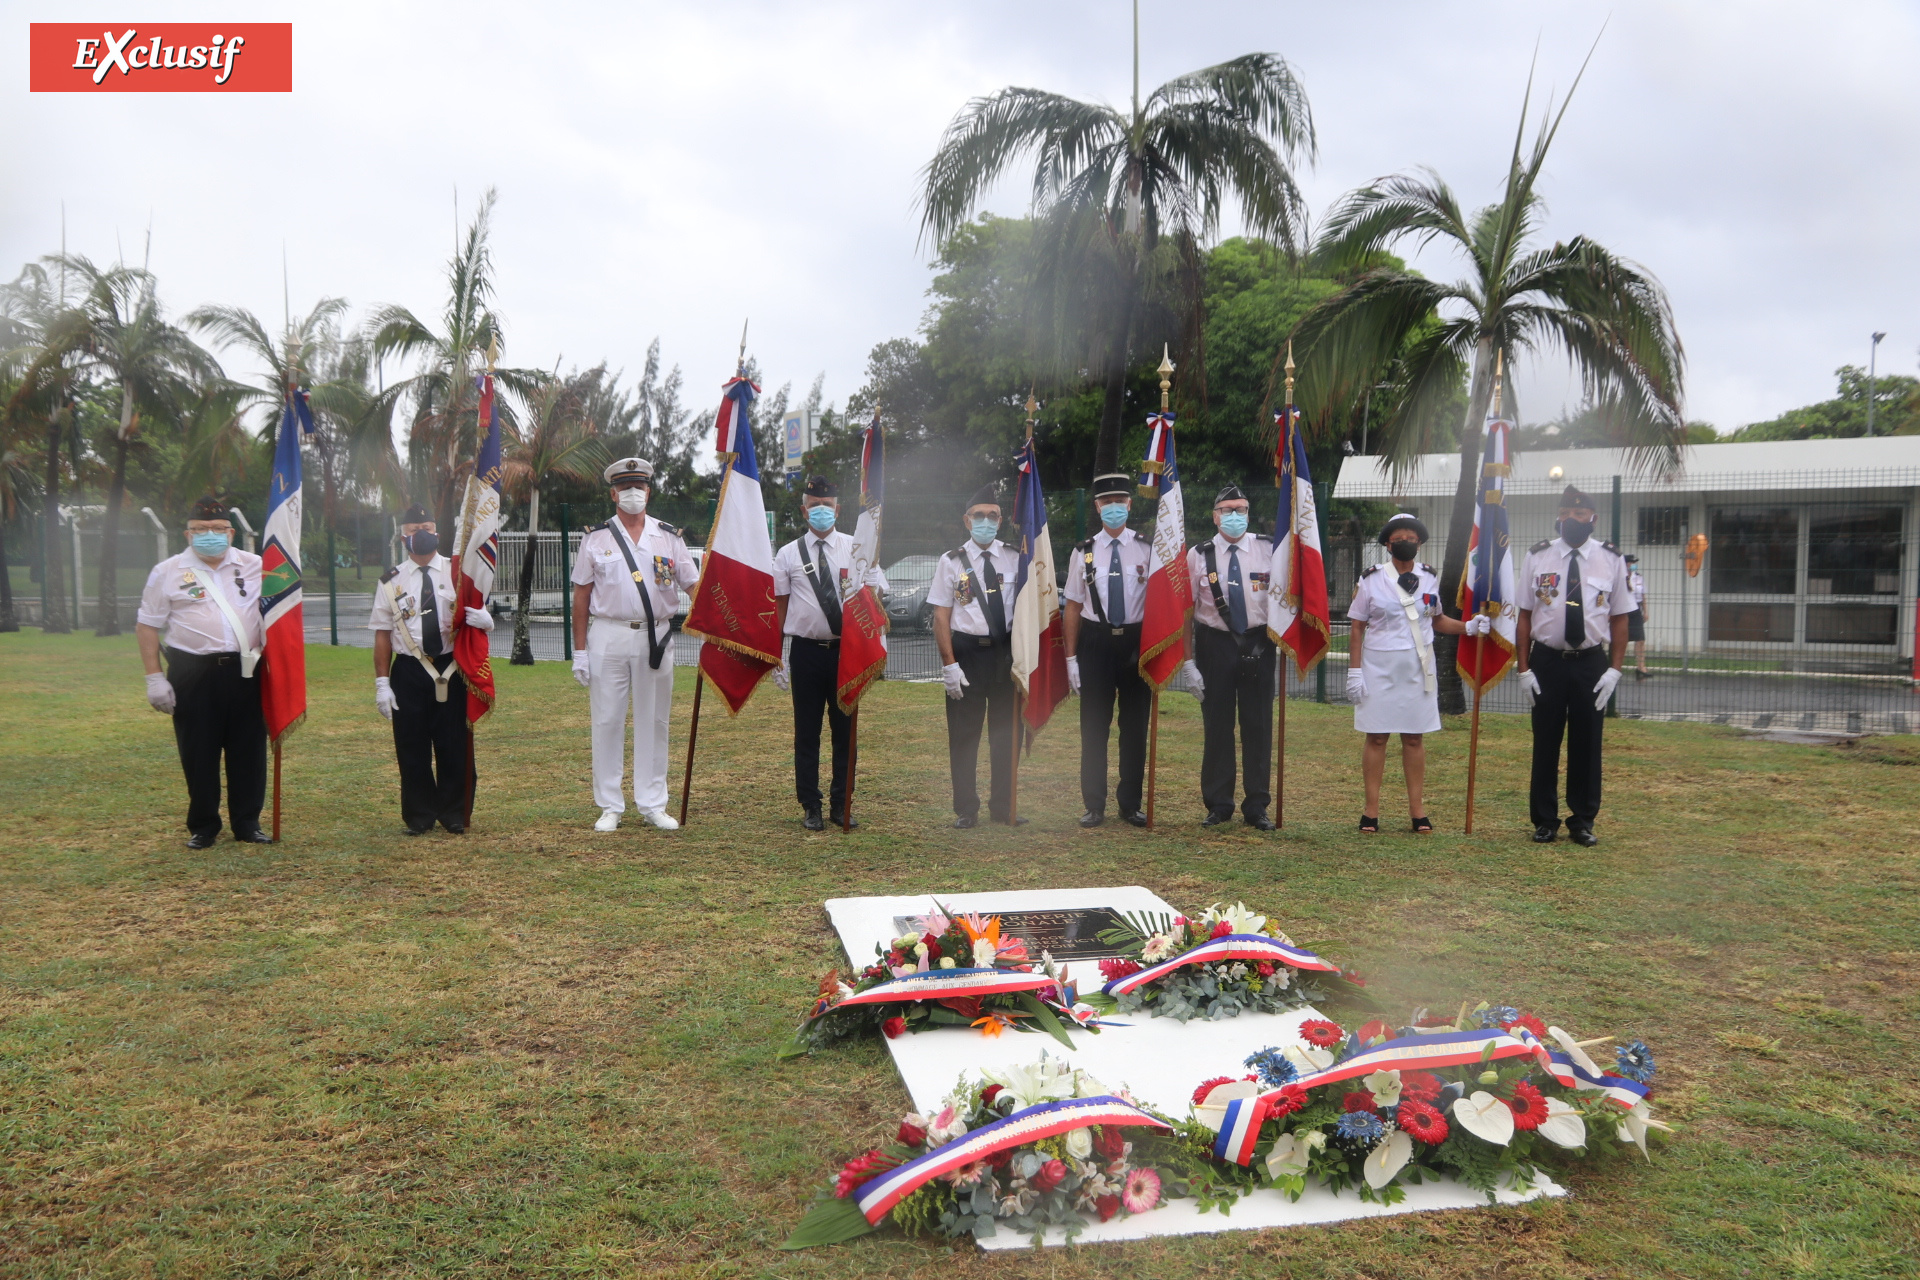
x,y
1411,607
249,658
405,632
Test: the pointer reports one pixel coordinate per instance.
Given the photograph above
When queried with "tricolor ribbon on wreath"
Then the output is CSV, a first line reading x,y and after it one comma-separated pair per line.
x,y
946,984
1233,946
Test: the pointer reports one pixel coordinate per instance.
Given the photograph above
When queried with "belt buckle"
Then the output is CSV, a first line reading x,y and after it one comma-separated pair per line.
x,y
635,626
1119,631
984,642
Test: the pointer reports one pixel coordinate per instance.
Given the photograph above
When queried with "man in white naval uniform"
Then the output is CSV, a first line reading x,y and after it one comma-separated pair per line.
x,y
625,589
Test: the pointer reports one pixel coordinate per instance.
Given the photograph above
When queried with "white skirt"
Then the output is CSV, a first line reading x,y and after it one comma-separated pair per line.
x,y
1397,700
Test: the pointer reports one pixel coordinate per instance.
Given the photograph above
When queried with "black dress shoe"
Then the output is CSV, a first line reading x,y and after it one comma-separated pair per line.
x,y
1261,822
1583,836
1545,835
1092,819
966,822
455,828
1136,818
834,820
255,836
417,831
1215,819
202,842
812,821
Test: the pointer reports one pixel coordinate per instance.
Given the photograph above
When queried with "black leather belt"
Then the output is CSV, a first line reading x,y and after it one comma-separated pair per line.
x,y
824,644
1567,653
217,659
967,637
1118,631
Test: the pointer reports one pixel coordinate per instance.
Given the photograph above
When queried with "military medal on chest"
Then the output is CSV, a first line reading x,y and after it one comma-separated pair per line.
x,y
192,584
963,589
1545,585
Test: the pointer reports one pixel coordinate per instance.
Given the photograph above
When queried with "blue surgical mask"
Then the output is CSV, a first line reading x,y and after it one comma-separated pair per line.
x,y
210,544
1113,515
1233,523
821,518
984,530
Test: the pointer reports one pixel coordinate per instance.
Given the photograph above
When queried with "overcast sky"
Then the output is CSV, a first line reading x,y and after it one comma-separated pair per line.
x,y
668,169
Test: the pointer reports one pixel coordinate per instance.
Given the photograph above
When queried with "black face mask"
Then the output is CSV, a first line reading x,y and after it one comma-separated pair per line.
x,y
423,542
1576,531
1403,550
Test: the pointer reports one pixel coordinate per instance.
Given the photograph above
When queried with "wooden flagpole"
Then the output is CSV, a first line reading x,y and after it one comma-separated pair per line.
x,y
1473,739
1280,713
459,608
276,793
853,757
693,737
1153,722
1019,697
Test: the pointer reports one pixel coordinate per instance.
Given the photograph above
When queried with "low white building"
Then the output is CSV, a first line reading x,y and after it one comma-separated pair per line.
x,y
1813,547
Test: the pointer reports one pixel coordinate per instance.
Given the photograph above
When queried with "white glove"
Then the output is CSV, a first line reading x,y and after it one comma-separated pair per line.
x,y
479,619
1479,625
875,578
1073,674
1195,685
160,694
1356,685
1604,690
1531,683
383,700
781,680
581,671
956,680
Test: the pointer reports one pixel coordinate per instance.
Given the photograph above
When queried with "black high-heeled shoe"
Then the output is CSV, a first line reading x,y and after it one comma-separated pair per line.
x,y
1369,826
1423,826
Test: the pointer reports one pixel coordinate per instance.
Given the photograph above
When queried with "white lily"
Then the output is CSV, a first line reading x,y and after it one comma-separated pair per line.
x,y
1563,1126
1634,1125
1388,1157
1045,1081
1485,1116
1238,917
1288,1157
1384,1086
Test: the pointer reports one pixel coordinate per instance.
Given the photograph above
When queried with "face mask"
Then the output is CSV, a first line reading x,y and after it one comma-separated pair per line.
x,y
210,545
423,542
1403,550
1576,531
821,519
984,530
1113,515
1233,523
632,501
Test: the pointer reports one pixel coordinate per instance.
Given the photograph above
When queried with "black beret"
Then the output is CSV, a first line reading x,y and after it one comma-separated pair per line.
x,y
415,514
1113,484
821,487
1403,521
1229,494
210,508
986,495
1573,497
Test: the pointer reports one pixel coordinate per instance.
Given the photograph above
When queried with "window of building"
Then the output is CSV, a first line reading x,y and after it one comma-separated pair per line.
x,y
1750,623
1852,623
1756,551
1853,551
1661,526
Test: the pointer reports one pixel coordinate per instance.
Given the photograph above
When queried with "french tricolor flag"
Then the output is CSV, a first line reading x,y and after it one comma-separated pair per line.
x,y
1240,1129
733,609
1297,612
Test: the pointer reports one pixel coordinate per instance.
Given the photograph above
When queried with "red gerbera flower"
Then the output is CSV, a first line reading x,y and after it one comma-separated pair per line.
x,y
1207,1087
1434,1020
1288,1100
1422,1122
1421,1086
1375,1028
1528,1021
1357,1102
1321,1034
1529,1106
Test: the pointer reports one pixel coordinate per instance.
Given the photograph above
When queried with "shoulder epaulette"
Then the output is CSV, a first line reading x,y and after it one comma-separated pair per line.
x,y
955,553
1609,546
390,574
1541,545
1084,546
1370,570
1427,568
672,529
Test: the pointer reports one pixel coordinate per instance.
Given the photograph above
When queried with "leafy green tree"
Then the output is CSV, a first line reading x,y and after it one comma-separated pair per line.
x,y
1896,406
39,351
559,437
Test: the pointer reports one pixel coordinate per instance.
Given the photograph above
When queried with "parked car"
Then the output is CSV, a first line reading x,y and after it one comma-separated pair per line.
x,y
908,580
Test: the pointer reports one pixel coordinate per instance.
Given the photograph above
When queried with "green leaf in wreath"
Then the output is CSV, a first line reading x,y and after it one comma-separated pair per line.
x,y
829,1220
1044,1017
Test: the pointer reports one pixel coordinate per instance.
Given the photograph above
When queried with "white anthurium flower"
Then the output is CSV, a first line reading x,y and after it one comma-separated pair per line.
x,y
1212,1111
1384,1086
1288,1157
1634,1125
842,991
1570,1047
1485,1116
1308,1058
1563,1126
1388,1157
1238,917
1079,1143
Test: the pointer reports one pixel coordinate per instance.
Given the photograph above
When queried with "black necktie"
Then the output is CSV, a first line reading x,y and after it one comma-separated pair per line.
x,y
994,605
1236,596
1576,610
825,589
1116,589
429,615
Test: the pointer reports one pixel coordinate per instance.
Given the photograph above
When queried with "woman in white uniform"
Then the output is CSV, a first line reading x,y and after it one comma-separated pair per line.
x,y
1392,679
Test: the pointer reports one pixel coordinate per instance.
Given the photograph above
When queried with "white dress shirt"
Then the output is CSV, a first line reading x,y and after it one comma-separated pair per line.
x,y
1638,585
959,584
1256,559
1136,554
407,586
1376,602
1604,591
176,600
791,579
659,553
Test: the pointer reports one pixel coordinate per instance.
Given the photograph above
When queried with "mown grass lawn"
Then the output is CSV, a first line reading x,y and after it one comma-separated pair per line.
x,y
536,1050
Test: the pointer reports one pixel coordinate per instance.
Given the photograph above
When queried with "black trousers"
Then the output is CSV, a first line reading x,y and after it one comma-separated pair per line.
x,y
217,713
813,670
1565,708
430,741
1239,674
989,697
1109,673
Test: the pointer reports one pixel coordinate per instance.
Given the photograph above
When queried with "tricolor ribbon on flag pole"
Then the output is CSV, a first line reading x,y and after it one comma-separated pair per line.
x,y
1297,586
283,682
878,1196
1233,946
1169,603
1487,585
1039,643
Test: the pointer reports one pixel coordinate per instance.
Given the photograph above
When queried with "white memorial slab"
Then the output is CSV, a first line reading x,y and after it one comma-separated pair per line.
x,y
1160,1061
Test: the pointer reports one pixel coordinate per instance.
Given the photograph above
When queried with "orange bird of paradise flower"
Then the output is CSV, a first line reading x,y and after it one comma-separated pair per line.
x,y
995,1022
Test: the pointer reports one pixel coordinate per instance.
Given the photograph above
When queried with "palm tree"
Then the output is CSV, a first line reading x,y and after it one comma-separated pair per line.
x,y
16,482
156,368
1111,185
41,341
559,440
1608,316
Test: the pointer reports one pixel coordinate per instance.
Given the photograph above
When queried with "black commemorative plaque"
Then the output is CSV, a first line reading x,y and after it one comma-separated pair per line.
x,y
1066,933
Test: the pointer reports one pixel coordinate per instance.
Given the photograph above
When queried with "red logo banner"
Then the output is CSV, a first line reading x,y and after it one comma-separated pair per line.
x,y
161,57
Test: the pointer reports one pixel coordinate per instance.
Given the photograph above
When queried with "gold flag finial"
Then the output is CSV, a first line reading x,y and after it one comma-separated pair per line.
x,y
1166,376
1289,373
1033,411
493,351
1499,367
740,364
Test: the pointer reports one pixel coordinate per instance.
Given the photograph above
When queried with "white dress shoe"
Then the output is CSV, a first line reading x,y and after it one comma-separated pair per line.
x,y
609,820
661,819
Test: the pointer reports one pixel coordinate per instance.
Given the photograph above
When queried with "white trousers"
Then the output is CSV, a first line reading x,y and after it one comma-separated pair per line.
x,y
619,679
